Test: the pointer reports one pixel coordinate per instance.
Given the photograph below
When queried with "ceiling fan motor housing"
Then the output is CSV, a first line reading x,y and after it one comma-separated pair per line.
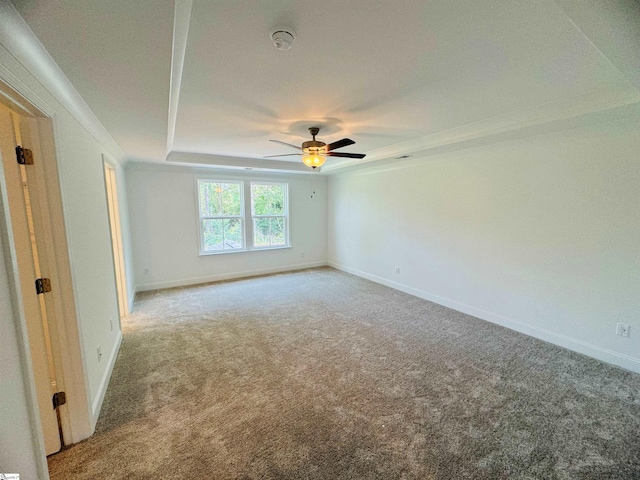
x,y
313,145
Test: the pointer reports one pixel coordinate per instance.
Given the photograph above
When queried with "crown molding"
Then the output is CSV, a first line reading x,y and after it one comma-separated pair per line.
x,y
223,161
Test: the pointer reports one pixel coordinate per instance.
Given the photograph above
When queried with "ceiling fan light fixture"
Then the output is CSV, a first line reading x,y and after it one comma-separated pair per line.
x,y
313,160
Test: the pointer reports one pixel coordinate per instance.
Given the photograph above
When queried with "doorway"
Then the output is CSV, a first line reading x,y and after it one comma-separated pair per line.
x,y
116,237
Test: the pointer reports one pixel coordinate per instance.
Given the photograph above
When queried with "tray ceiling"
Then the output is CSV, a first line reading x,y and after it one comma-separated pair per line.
x,y
200,82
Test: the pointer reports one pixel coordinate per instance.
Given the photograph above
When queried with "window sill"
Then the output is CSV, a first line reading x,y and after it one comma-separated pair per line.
x,y
262,249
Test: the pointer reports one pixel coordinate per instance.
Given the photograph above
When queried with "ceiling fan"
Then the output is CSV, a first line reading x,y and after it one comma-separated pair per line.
x,y
314,153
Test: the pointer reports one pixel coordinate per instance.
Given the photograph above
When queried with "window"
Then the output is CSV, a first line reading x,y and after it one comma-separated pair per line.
x,y
268,208
220,216
241,215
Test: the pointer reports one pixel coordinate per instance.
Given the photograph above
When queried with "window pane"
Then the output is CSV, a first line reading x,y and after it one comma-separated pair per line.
x,y
219,199
230,199
268,199
222,234
261,232
213,234
277,231
269,232
232,234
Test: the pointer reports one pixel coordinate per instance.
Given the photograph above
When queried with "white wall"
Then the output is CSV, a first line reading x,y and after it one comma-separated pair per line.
x,y
164,228
87,224
80,141
539,234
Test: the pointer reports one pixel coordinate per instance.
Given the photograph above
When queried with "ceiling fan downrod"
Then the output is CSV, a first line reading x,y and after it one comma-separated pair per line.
x,y
313,145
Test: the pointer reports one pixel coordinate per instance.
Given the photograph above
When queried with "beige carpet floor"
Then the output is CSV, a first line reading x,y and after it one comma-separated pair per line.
x,y
322,375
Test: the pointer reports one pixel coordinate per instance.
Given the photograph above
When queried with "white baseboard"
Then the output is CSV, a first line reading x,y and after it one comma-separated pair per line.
x,y
603,354
104,383
227,276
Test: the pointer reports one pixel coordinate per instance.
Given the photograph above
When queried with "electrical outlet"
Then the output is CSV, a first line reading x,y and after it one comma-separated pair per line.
x,y
623,329
147,271
397,270
99,353
302,254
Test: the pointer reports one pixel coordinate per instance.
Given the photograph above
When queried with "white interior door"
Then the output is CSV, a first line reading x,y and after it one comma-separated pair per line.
x,y
24,201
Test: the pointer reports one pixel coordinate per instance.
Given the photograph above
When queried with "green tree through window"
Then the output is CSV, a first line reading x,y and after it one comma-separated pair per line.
x,y
220,215
269,211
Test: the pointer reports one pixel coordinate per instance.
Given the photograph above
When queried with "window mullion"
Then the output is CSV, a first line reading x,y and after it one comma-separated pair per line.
x,y
248,216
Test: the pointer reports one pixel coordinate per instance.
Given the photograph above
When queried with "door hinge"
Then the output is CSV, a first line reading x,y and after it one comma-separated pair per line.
x,y
43,285
59,398
24,156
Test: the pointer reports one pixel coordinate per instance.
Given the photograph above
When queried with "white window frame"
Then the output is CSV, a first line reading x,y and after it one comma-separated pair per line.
x,y
246,215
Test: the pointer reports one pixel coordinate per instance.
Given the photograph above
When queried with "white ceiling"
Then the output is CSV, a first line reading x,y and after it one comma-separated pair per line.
x,y
201,82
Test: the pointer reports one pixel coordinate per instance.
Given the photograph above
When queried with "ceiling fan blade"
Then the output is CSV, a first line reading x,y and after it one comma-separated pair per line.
x,y
346,155
339,144
284,155
287,144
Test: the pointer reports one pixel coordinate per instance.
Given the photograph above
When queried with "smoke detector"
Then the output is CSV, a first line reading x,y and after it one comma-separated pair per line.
x,y
282,38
